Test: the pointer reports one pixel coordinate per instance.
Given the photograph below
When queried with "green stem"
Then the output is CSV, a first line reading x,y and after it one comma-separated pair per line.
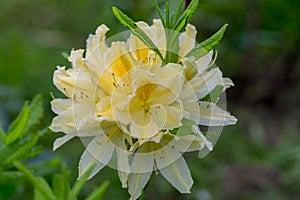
x,y
32,179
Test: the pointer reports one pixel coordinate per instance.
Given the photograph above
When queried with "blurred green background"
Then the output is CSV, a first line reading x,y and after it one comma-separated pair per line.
x,y
257,158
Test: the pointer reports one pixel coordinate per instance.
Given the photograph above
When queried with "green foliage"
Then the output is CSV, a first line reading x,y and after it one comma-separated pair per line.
x,y
16,128
186,16
173,25
18,143
204,47
60,183
256,159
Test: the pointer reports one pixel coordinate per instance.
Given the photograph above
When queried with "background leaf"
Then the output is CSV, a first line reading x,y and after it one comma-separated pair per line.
x,y
204,47
18,125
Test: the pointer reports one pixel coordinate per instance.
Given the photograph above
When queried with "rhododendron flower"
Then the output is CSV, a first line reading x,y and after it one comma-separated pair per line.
x,y
139,108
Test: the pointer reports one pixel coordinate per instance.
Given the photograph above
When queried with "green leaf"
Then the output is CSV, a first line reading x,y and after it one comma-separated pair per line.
x,y
178,12
36,111
159,12
80,182
129,23
23,150
58,184
40,194
204,47
44,190
18,125
167,15
214,95
98,193
11,174
172,46
186,17
185,129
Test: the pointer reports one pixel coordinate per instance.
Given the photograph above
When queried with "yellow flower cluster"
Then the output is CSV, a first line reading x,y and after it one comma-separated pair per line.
x,y
132,105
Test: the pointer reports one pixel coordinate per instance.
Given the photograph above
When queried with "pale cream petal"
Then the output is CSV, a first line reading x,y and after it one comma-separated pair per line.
x,y
76,58
178,174
118,138
201,85
75,84
138,49
171,76
187,143
141,170
187,40
156,33
62,140
190,68
192,111
143,131
123,165
165,155
207,143
75,120
59,105
212,115
99,151
142,161
118,64
227,83
136,184
158,115
87,160
64,123
96,49
174,116
204,62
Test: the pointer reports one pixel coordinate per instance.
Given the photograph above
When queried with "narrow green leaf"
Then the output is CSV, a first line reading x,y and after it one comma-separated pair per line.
x,y
40,194
23,150
98,193
36,111
4,152
66,177
80,182
167,15
38,182
186,16
58,185
172,47
159,12
214,95
129,23
178,12
18,125
204,47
